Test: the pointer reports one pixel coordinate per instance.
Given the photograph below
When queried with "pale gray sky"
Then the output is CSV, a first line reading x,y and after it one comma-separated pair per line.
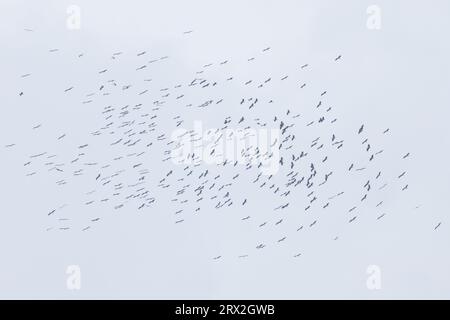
x,y
393,77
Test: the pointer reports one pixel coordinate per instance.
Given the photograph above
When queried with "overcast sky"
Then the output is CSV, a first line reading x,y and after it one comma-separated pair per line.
x,y
394,73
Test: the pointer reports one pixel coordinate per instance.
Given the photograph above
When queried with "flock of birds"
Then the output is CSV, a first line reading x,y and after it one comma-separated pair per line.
x,y
316,176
